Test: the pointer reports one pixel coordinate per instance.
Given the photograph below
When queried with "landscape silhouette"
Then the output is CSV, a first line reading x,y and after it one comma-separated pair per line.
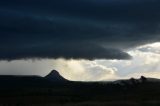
x,y
53,89
97,52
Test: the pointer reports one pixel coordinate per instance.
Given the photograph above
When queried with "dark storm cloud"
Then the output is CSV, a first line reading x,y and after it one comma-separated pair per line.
x,y
89,29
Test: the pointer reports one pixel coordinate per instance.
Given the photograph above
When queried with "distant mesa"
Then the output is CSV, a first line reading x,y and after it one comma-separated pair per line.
x,y
133,81
54,76
143,79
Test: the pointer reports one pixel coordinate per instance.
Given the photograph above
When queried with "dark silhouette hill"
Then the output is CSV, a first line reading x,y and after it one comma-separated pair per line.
x,y
133,81
55,90
22,81
54,76
14,81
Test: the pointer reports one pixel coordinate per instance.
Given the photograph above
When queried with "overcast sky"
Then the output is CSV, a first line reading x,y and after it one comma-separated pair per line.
x,y
83,39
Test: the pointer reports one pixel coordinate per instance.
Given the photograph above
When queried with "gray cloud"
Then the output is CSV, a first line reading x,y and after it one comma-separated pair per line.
x,y
88,29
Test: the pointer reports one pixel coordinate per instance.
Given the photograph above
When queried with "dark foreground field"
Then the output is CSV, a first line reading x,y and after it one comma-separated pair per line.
x,y
42,91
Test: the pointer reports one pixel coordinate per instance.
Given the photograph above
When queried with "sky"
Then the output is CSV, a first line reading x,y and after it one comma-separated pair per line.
x,y
87,40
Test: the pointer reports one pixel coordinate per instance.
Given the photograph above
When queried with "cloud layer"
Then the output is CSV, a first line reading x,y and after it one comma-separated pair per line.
x,y
84,29
146,62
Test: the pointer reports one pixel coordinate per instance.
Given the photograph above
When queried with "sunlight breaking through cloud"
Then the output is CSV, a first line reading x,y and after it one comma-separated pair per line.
x,y
145,61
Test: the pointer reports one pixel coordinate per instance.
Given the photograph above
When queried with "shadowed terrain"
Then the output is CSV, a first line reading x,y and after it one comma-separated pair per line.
x,y
53,89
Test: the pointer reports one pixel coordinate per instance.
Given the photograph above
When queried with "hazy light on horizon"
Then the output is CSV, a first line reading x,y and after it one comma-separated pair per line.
x,y
145,61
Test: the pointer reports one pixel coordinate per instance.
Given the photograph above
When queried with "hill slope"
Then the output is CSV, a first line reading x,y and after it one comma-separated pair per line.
x,y
54,76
